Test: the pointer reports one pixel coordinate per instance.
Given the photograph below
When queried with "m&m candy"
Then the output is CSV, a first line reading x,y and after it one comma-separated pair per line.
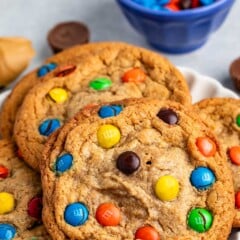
x,y
58,95
128,162
7,202
48,126
200,220
101,83
167,188
173,5
108,136
7,231
135,75
108,214
45,69
147,233
3,172
76,214
206,146
63,163
202,178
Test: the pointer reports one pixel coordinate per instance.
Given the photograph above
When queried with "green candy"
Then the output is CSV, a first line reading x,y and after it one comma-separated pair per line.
x,y
101,83
200,220
238,120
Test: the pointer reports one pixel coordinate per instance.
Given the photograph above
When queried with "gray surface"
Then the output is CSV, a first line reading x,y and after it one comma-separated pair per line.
x,y
33,19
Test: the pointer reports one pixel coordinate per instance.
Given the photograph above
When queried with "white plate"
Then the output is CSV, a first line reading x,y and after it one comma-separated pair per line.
x,y
201,87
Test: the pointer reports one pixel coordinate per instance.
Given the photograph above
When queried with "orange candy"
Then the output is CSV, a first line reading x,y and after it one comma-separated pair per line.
x,y
108,214
237,200
134,75
206,146
234,153
173,6
147,233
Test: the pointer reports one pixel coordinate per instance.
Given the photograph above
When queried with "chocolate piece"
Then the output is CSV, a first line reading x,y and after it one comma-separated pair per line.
x,y
168,116
185,4
67,34
235,72
128,162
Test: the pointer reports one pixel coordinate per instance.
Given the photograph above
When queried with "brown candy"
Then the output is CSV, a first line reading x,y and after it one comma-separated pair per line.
x,y
67,34
235,72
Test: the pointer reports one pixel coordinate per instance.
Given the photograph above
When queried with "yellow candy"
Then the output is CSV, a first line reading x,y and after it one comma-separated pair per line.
x,y
58,95
108,136
167,188
6,202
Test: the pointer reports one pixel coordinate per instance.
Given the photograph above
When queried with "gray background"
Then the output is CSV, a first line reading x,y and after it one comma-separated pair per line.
x,y
33,19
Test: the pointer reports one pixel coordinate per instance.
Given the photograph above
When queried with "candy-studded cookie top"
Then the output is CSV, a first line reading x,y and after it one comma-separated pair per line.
x,y
20,197
115,73
136,173
222,115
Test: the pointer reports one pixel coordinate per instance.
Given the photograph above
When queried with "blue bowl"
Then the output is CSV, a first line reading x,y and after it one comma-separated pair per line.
x,y
176,32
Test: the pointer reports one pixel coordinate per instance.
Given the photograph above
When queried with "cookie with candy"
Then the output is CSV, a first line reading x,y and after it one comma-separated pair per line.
x,y
117,72
222,115
14,101
136,169
20,197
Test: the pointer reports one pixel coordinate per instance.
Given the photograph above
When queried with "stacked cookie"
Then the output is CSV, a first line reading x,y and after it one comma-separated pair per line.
x,y
121,151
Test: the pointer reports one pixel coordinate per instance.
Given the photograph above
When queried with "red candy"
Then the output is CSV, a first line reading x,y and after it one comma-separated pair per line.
x,y
234,154
147,233
108,214
65,70
19,154
195,3
237,200
35,207
3,172
206,146
134,75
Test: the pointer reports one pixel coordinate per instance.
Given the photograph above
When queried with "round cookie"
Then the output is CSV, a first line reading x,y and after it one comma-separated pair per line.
x,y
117,72
15,99
151,171
20,197
222,115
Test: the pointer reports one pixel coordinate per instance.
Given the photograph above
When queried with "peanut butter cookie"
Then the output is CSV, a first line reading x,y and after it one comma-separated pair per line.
x,y
117,72
20,197
136,169
222,115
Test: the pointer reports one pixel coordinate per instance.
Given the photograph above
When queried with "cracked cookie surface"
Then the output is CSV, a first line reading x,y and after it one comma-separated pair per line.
x,y
117,72
141,169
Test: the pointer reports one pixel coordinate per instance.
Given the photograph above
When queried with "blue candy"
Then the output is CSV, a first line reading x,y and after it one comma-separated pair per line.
x,y
45,69
202,178
162,2
64,163
76,214
206,2
7,231
109,111
48,126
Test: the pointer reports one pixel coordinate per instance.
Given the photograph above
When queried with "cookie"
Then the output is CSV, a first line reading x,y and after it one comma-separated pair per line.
x,y
151,170
117,72
20,197
14,100
223,116
67,34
